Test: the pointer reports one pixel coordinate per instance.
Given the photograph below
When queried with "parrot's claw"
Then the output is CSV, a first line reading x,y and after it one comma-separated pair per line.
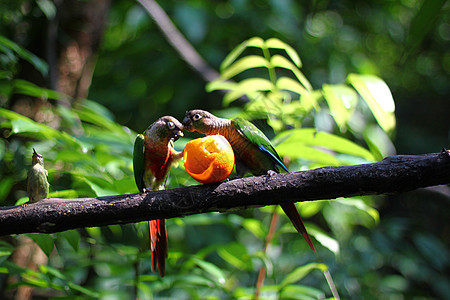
x,y
146,190
25,204
271,173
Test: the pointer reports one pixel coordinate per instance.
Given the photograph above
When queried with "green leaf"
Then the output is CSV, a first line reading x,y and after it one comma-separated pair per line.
x,y
422,23
289,84
27,88
64,194
360,205
254,226
342,102
72,237
83,290
278,44
44,241
283,62
324,239
220,85
294,149
234,54
300,272
218,276
48,8
378,141
301,292
378,97
38,63
243,64
23,125
236,255
5,186
310,137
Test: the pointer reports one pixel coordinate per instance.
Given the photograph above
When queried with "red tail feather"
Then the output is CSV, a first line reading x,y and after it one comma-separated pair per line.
x,y
291,211
158,245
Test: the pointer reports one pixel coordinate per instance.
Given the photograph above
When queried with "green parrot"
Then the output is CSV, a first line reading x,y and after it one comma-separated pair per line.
x,y
37,179
153,156
252,149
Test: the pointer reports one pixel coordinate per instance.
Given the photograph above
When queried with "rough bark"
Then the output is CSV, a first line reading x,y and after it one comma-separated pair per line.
x,y
395,174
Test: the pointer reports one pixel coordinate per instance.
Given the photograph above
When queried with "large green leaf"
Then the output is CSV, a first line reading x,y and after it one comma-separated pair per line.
x,y
378,97
310,137
38,63
234,54
44,241
342,102
216,273
278,44
243,64
300,272
283,62
236,255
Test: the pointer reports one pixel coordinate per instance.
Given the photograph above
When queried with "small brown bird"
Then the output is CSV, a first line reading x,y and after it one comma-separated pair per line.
x,y
37,179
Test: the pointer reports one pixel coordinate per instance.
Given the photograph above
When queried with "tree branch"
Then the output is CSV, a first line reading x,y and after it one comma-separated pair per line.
x,y
394,174
178,41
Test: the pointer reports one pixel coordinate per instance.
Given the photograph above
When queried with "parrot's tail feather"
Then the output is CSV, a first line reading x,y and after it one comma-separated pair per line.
x,y
158,245
291,211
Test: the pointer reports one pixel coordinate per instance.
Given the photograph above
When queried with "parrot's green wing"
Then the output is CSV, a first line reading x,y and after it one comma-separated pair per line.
x,y
255,136
138,162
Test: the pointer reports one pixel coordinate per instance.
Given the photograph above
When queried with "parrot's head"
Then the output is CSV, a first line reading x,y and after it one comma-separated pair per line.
x,y
200,121
166,129
37,158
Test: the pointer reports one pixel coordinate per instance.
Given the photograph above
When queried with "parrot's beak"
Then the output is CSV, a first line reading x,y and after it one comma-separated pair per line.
x,y
187,124
176,134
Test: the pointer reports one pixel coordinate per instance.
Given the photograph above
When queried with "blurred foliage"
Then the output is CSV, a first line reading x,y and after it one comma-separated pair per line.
x,y
333,110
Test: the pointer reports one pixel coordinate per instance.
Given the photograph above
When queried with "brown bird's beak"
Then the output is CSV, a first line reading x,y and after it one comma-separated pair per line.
x,y
176,134
187,124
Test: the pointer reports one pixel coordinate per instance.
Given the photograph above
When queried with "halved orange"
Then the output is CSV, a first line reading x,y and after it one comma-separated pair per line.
x,y
209,159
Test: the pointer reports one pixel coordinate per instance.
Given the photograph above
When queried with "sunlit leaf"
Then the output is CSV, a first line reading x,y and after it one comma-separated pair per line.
x,y
301,292
243,64
295,149
236,255
220,85
27,88
217,275
359,204
378,141
278,44
83,290
38,63
63,194
283,62
310,137
324,239
378,97
289,84
254,226
300,272
342,102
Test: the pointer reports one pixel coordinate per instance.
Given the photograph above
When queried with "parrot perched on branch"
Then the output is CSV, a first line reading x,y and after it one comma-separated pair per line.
x,y
37,179
252,149
153,156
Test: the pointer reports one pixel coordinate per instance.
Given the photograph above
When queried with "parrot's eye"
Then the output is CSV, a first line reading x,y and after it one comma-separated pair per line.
x,y
196,117
171,125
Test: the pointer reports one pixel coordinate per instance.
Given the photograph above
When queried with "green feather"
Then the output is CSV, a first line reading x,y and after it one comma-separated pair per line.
x,y
138,162
256,137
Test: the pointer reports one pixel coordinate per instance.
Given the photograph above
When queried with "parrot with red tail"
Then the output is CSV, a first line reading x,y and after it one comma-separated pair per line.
x,y
153,156
252,149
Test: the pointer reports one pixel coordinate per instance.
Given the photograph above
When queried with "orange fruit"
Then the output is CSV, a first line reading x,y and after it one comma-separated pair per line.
x,y
209,159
